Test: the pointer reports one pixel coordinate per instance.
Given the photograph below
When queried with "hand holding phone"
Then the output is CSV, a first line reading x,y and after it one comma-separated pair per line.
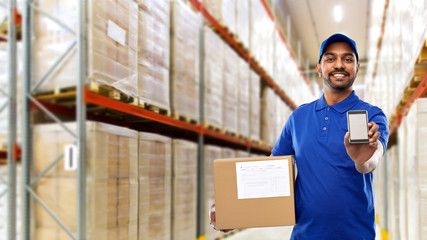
x,y
357,122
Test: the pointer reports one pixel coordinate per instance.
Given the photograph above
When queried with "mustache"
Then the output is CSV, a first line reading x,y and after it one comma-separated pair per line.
x,y
339,71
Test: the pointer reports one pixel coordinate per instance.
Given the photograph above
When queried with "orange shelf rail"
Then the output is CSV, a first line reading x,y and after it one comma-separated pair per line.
x,y
419,92
94,98
109,103
245,54
16,154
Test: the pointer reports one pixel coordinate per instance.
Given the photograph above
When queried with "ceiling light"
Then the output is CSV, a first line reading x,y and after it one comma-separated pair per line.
x,y
337,11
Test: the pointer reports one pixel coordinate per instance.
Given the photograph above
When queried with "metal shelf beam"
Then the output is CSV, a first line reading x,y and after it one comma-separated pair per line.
x,y
419,92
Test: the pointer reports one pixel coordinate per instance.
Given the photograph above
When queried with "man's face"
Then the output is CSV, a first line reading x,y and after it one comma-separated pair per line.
x,y
338,66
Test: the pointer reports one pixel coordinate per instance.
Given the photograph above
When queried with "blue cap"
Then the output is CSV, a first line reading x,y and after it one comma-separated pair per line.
x,y
338,37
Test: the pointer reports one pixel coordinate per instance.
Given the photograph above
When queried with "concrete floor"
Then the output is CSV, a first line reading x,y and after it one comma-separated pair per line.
x,y
266,233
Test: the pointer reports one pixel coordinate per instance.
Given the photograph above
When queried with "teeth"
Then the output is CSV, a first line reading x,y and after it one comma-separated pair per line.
x,y
338,75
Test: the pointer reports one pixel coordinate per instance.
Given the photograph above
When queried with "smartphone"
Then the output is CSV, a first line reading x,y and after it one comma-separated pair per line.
x,y
357,122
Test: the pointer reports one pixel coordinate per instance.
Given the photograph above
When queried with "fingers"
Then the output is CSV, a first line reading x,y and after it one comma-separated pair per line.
x,y
346,139
373,127
212,215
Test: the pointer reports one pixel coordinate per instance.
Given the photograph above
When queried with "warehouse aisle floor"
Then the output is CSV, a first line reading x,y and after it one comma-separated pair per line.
x,y
268,233
271,233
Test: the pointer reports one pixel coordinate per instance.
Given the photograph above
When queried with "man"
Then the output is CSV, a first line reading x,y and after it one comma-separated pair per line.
x,y
333,189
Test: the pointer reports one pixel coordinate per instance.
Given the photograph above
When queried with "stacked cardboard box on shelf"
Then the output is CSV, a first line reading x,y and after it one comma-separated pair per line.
x,y
283,113
184,189
241,153
416,170
230,91
153,52
111,182
213,65
223,11
242,21
403,38
243,99
254,103
400,184
155,166
112,30
185,60
228,153
261,36
268,116
402,180
210,154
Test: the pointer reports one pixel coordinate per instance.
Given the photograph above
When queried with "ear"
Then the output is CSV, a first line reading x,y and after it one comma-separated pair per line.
x,y
357,68
319,70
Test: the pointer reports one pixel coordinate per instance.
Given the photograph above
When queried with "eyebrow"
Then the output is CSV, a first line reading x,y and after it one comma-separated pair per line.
x,y
345,54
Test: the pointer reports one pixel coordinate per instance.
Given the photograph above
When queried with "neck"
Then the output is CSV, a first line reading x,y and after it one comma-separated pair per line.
x,y
333,96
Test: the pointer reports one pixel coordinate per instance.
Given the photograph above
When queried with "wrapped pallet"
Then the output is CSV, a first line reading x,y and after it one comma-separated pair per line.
x,y
155,166
268,116
283,113
416,170
243,99
210,154
261,36
254,102
228,153
230,91
111,182
224,11
242,154
213,64
242,21
112,44
184,190
153,52
185,60
403,217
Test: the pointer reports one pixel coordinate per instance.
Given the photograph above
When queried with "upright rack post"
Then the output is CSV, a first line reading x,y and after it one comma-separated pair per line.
x,y
200,155
81,123
79,135
26,130
11,136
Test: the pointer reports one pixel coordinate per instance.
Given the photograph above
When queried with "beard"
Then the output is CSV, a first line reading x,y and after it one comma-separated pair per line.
x,y
328,82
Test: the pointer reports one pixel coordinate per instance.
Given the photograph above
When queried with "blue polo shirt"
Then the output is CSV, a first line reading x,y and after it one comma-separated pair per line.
x,y
332,199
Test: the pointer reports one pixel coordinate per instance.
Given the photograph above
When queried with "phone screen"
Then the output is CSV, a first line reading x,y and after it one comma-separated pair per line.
x,y
358,126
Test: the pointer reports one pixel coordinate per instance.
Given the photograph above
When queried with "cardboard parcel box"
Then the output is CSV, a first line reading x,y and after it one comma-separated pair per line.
x,y
254,192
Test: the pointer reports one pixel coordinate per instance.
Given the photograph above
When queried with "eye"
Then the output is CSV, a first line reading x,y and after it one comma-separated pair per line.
x,y
329,59
349,60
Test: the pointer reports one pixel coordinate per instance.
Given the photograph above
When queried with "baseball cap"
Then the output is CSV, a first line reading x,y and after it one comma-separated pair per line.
x,y
338,37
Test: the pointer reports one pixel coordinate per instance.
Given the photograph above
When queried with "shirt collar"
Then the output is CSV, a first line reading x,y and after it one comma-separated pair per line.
x,y
340,107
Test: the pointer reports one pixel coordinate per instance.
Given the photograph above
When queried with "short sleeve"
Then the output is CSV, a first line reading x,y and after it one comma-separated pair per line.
x,y
380,119
284,145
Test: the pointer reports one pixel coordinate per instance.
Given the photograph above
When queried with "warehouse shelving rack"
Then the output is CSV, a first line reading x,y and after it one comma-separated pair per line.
x,y
79,135
417,91
245,54
84,98
12,18
402,110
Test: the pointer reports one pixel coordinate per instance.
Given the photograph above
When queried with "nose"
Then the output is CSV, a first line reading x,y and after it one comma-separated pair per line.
x,y
339,64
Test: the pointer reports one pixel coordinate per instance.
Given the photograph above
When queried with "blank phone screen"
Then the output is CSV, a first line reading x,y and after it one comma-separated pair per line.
x,y
358,126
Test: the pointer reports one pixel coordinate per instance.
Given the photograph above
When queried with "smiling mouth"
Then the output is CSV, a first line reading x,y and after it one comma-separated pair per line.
x,y
338,74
